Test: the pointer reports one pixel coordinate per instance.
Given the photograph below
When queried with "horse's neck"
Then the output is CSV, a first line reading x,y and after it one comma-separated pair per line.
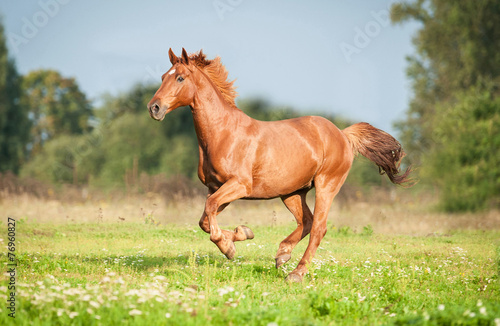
x,y
213,118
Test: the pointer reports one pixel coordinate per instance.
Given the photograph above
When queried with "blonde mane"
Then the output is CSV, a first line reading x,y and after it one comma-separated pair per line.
x,y
217,73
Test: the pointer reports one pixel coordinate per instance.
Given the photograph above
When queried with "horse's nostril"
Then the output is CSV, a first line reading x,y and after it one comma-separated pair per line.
x,y
155,108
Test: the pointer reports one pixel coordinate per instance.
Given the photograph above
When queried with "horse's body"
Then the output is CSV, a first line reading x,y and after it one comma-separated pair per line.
x,y
305,146
241,157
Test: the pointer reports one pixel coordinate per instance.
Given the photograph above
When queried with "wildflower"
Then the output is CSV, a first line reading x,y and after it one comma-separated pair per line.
x,y
361,298
441,307
482,311
168,315
94,304
225,290
73,314
135,312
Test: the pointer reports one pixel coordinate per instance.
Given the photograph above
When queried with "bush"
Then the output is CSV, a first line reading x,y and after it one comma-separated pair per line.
x,y
464,162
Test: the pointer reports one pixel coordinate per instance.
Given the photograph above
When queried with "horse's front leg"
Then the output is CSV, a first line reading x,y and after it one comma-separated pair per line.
x,y
228,192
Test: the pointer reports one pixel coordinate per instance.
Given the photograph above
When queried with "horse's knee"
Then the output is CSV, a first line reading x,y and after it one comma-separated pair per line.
x,y
204,225
320,231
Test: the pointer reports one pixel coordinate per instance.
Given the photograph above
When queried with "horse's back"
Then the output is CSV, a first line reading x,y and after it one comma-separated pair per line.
x,y
290,153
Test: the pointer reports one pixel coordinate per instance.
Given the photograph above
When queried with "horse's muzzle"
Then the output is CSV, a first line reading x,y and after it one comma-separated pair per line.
x,y
156,112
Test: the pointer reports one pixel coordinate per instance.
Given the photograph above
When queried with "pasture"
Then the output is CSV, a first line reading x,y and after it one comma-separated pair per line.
x,y
92,264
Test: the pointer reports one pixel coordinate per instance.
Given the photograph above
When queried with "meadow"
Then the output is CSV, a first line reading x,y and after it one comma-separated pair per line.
x,y
100,263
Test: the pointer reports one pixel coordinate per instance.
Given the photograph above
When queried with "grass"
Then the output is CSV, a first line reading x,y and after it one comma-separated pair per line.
x,y
143,273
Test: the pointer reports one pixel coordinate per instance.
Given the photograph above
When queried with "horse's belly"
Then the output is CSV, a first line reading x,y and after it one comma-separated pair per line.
x,y
282,180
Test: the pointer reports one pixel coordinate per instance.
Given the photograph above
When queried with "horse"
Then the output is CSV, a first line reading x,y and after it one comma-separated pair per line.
x,y
244,158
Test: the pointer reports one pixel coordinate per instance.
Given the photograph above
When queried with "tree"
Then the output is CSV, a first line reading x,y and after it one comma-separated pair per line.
x,y
14,123
56,106
464,160
457,48
452,129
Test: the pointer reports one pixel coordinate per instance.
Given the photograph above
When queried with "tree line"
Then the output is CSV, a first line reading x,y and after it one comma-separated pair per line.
x,y
49,130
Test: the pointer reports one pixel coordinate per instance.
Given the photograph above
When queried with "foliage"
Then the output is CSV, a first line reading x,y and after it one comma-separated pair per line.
x,y
456,50
14,123
57,161
464,160
56,106
457,56
142,273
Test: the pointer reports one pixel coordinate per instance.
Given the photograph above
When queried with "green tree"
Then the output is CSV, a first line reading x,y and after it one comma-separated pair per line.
x,y
457,48
451,129
464,160
14,123
56,104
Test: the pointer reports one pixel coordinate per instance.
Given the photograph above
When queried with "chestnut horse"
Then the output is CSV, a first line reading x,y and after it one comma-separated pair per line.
x,y
243,158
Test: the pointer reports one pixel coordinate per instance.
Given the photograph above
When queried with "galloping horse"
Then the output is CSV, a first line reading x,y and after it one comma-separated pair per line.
x,y
243,158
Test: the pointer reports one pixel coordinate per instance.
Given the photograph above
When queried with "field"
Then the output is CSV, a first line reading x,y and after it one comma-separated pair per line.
x,y
144,261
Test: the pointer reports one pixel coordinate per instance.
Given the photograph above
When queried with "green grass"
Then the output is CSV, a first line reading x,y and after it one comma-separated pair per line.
x,y
145,274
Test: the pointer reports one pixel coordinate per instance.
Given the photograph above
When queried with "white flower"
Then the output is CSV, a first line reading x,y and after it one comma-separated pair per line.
x,y
134,312
441,307
94,304
482,311
168,315
73,314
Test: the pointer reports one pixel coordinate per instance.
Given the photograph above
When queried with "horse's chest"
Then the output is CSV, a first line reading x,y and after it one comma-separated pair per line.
x,y
213,173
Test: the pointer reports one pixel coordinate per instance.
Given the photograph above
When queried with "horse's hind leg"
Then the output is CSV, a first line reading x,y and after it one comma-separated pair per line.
x,y
326,189
296,204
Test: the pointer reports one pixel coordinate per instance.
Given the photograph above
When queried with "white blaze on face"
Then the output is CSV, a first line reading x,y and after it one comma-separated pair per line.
x,y
171,72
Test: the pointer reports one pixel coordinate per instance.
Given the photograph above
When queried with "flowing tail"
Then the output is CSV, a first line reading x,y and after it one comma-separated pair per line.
x,y
380,148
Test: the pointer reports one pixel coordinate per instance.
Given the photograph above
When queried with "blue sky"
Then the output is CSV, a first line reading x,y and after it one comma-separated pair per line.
x,y
341,57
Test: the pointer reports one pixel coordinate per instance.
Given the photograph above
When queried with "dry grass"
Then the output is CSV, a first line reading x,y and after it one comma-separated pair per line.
x,y
388,212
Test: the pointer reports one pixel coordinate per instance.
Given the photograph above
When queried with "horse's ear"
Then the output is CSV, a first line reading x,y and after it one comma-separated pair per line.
x,y
185,56
172,56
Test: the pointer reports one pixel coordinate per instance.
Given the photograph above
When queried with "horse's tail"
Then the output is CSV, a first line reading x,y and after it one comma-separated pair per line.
x,y
380,148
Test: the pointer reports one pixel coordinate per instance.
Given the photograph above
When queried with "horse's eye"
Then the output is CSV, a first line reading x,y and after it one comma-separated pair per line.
x,y
180,79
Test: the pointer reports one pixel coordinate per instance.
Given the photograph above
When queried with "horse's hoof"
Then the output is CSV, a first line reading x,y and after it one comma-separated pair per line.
x,y
282,259
231,251
246,231
293,278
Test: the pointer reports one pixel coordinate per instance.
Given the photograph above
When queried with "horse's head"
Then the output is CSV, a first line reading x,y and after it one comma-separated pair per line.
x,y
177,87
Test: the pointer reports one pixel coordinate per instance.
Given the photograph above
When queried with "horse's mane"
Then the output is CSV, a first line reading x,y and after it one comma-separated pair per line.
x,y
217,73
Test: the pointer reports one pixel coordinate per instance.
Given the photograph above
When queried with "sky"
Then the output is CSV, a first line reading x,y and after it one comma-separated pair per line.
x,y
337,57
